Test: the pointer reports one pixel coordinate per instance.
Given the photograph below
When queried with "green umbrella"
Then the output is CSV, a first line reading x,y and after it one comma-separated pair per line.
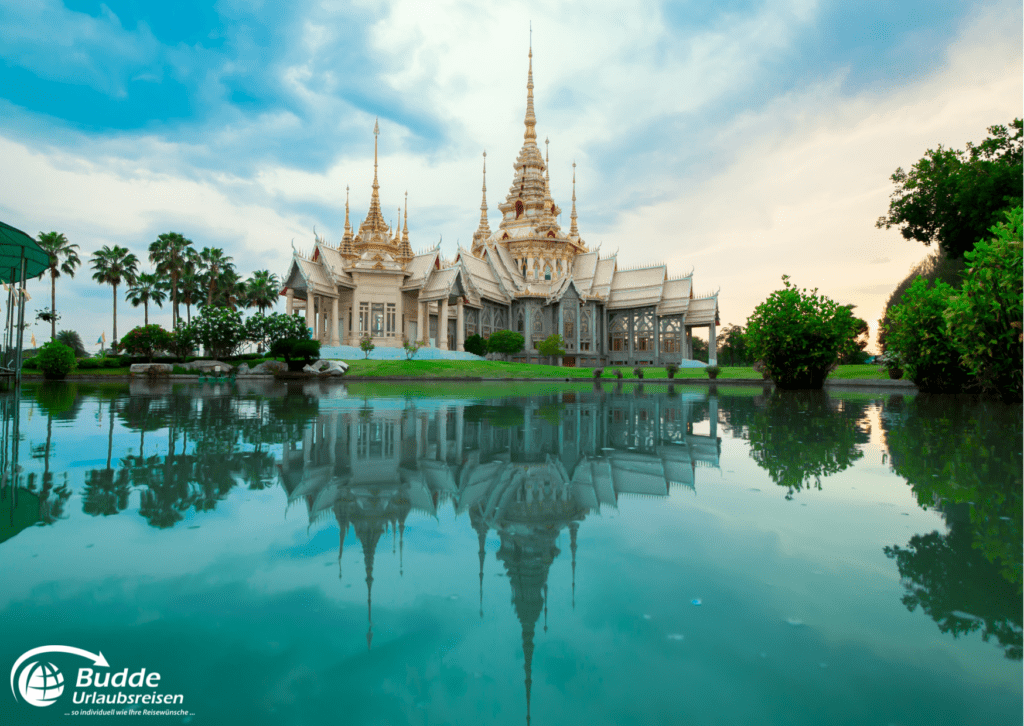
x,y
16,245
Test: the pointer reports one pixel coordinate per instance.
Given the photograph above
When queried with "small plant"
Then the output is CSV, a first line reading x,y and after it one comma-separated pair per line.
x,y
638,372
618,373
55,360
476,344
366,345
712,372
297,353
671,369
598,372
412,347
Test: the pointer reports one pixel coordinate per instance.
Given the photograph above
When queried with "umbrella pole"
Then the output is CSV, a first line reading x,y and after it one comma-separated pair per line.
x,y
9,325
21,326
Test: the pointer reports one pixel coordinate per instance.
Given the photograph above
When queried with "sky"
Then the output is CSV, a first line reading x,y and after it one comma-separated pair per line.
x,y
742,140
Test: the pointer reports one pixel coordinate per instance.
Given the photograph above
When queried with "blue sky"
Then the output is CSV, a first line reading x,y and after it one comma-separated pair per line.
x,y
743,139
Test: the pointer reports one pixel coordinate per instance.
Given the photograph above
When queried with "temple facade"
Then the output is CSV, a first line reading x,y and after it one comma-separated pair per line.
x,y
529,275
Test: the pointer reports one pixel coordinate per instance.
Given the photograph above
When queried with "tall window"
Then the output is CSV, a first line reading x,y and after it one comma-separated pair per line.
x,y
645,331
520,323
519,209
364,317
618,326
377,319
670,335
485,326
569,324
391,320
547,272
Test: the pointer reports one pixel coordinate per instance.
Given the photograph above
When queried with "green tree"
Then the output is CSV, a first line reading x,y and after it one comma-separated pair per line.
x,y
219,330
262,290
265,330
170,254
984,319
952,196
505,342
798,335
918,337
853,351
476,344
63,260
732,346
146,340
190,291
74,341
212,264
145,290
551,345
112,266
366,345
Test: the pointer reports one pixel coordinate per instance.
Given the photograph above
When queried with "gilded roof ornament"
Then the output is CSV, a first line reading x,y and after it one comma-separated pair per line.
x,y
573,229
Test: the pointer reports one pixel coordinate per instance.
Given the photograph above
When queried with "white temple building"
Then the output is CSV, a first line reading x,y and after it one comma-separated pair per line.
x,y
529,276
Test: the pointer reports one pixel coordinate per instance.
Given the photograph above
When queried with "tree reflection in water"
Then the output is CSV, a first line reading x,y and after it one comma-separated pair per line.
x,y
962,456
798,437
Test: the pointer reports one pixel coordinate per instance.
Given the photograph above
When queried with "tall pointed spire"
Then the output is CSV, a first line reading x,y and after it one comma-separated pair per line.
x,y
405,228
374,228
531,119
398,229
573,229
547,165
346,240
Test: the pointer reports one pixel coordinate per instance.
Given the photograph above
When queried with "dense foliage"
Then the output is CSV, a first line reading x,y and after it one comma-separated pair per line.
x,y
476,344
218,330
551,345
933,268
732,347
146,341
297,352
505,342
952,196
985,318
919,340
73,340
798,335
265,330
55,359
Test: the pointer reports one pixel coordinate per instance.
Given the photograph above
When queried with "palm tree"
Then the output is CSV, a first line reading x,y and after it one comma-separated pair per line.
x,y
262,290
191,291
213,262
111,266
63,259
170,255
146,290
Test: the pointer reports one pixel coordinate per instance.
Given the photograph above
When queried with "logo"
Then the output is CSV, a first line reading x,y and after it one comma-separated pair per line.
x,y
41,683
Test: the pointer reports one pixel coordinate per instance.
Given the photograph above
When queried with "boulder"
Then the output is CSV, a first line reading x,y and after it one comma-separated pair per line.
x,y
151,370
268,368
207,366
242,370
329,367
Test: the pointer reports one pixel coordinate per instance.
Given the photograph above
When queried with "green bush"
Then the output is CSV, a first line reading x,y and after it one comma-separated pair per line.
x,y
265,330
145,340
505,342
919,337
476,344
411,347
798,335
671,369
985,318
366,345
30,364
297,353
552,345
183,341
90,363
219,330
55,360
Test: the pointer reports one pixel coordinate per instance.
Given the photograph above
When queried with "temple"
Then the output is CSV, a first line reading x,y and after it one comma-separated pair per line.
x,y
529,275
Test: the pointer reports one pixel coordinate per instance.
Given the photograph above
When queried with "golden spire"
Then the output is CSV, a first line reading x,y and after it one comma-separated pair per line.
x,y
374,228
547,164
398,228
405,229
573,230
531,119
484,226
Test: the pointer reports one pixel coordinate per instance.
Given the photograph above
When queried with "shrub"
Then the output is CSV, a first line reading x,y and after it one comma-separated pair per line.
x,y
296,353
984,320
55,360
183,341
412,347
476,344
265,330
618,373
798,335
505,342
552,345
638,372
218,330
918,335
598,372
671,369
366,345
712,371
146,340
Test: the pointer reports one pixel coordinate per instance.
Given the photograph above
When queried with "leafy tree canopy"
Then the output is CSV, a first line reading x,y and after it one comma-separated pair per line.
x,y
952,196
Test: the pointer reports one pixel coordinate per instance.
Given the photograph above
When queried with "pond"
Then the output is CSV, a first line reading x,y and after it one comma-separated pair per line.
x,y
390,554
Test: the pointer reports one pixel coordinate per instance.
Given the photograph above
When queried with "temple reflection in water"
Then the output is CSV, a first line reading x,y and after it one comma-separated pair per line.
x,y
526,469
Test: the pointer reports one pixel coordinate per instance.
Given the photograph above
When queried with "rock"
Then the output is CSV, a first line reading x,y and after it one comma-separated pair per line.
x,y
207,366
150,370
243,370
330,367
270,367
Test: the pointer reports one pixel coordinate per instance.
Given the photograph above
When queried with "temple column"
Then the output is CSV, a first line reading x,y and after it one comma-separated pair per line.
x,y
353,440
688,343
560,325
442,324
460,326
579,321
332,437
528,331
459,413
335,323
657,339
289,301
400,315
713,415
442,433
309,310
421,321
712,346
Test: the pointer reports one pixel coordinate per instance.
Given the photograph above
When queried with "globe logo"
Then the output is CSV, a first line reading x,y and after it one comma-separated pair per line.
x,y
40,683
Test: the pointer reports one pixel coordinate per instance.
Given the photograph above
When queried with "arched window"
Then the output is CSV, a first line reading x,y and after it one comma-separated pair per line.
x,y
519,209
547,272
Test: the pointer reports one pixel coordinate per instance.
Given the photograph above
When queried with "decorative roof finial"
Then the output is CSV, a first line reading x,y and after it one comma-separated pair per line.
x,y
405,229
531,118
398,227
547,159
573,230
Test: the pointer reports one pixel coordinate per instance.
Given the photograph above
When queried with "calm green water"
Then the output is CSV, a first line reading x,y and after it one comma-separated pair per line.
x,y
308,555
